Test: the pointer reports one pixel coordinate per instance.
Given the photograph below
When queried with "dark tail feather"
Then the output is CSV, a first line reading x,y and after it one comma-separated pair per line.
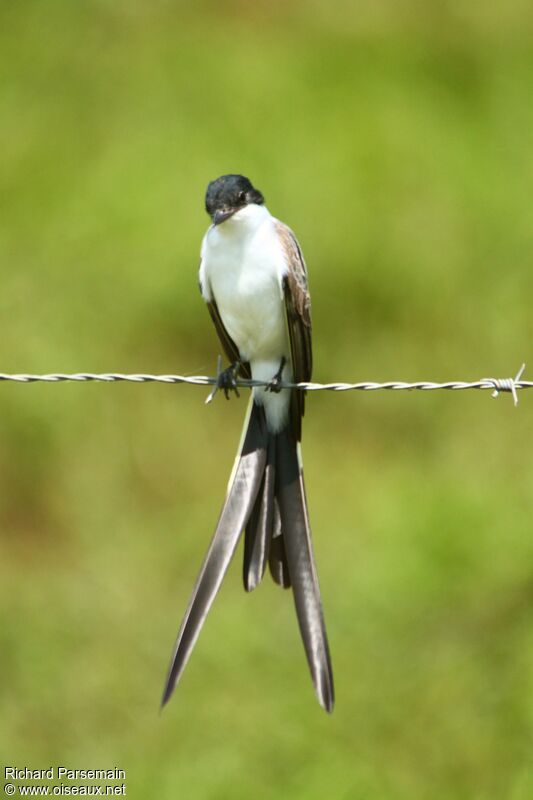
x,y
290,493
259,528
277,561
263,538
242,493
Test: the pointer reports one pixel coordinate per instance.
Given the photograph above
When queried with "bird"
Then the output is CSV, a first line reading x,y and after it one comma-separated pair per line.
x,y
253,279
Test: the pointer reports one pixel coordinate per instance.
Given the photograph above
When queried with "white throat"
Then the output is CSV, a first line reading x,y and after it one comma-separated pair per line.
x,y
242,269
244,222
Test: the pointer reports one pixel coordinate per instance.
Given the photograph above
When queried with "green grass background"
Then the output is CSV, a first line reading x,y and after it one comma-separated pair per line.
x,y
396,139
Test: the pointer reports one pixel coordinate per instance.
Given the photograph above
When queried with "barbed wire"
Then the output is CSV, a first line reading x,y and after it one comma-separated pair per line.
x,y
511,385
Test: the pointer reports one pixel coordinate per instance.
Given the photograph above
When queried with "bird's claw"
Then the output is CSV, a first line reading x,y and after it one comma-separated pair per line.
x,y
226,380
275,384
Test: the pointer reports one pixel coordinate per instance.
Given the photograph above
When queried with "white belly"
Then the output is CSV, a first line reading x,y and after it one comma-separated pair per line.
x,y
251,307
245,277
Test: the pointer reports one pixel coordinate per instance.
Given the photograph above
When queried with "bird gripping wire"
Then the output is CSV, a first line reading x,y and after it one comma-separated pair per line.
x,y
511,385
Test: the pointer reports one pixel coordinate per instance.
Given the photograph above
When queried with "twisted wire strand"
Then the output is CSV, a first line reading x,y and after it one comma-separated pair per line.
x,y
511,385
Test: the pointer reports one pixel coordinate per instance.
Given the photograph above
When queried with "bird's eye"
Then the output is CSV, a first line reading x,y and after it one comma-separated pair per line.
x,y
242,197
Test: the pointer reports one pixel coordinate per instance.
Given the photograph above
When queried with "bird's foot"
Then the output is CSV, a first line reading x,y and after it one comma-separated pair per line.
x,y
226,380
274,384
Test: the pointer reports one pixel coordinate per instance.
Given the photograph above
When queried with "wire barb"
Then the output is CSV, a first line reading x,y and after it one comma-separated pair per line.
x,y
511,385
508,384
214,390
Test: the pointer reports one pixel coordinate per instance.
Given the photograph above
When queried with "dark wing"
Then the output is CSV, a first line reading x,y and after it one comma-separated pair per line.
x,y
298,309
230,348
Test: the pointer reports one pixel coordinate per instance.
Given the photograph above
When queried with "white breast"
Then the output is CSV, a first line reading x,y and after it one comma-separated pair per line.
x,y
242,269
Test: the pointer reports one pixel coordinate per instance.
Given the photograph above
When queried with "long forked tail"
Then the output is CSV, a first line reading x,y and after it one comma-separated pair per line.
x,y
242,493
266,497
298,550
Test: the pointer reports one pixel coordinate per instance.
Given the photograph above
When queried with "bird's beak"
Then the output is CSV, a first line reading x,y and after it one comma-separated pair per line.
x,y
223,214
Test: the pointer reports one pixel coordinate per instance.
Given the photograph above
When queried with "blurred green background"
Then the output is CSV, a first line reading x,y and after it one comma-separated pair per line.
x,y
396,140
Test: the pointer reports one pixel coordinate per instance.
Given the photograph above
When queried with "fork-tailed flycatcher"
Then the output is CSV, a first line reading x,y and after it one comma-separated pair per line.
x,y
253,279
